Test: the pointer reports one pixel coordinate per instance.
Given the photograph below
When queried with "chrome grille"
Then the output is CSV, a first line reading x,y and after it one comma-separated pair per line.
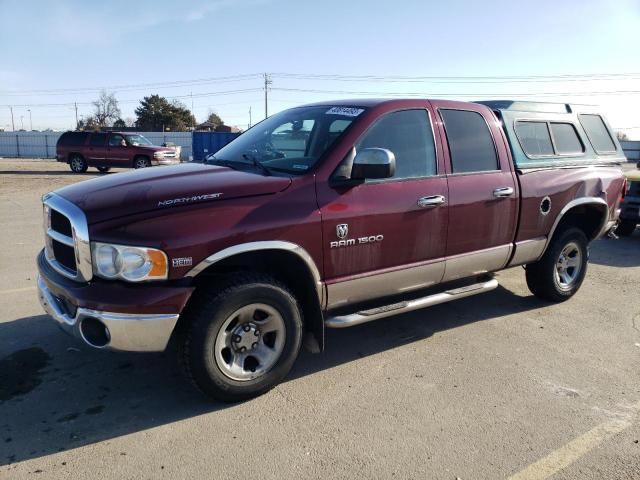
x,y
67,246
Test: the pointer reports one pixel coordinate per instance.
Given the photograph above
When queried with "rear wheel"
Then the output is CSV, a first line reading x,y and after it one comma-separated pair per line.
x,y
141,162
626,228
104,169
78,164
241,339
558,275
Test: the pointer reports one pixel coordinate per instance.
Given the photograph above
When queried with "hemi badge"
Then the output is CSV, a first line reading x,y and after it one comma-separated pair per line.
x,y
182,262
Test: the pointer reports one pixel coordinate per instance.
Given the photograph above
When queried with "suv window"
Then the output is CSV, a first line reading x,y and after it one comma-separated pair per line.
x,y
115,140
566,139
534,138
72,138
98,139
408,135
597,133
470,143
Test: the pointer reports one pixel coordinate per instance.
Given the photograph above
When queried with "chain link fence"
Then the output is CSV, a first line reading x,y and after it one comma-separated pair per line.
x,y
43,144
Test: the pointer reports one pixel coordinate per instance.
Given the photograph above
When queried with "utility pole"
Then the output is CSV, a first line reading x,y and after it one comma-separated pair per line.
x,y
193,115
13,125
22,122
249,117
75,104
267,82
30,120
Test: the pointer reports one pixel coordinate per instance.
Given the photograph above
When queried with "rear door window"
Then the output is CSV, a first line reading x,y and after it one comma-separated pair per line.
x,y
534,138
597,133
408,134
566,139
116,140
98,139
470,142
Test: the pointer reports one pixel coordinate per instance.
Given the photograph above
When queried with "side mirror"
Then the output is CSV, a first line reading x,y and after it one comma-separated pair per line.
x,y
373,163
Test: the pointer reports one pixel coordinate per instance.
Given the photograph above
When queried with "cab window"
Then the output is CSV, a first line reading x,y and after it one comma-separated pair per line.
x,y
470,142
408,134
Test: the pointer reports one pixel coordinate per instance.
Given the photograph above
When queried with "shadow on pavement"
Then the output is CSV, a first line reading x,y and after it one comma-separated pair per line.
x,y
54,173
623,252
68,395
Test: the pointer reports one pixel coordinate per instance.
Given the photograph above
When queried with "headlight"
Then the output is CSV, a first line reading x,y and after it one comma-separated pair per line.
x,y
158,155
134,264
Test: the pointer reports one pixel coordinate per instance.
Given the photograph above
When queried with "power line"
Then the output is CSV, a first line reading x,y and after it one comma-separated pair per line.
x,y
138,86
433,94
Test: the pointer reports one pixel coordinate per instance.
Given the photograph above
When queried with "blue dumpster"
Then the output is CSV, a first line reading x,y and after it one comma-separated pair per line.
x,y
205,143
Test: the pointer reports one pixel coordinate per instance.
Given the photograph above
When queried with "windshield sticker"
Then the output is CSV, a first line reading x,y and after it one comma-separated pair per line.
x,y
300,167
345,111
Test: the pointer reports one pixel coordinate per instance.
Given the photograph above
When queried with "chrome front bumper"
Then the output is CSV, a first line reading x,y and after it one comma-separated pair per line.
x,y
123,331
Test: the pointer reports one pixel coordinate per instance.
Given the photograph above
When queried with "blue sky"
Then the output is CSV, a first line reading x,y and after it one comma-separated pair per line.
x,y
73,48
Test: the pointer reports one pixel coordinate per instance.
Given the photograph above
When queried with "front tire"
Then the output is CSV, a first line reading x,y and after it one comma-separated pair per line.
x,y
626,228
242,338
558,275
78,164
141,162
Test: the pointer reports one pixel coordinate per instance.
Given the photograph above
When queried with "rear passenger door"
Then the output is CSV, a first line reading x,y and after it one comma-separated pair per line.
x,y
483,197
97,150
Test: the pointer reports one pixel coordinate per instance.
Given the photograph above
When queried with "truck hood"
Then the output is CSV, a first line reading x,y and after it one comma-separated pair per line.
x,y
159,188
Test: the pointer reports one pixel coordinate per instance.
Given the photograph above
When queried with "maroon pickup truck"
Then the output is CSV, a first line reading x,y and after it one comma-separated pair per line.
x,y
327,216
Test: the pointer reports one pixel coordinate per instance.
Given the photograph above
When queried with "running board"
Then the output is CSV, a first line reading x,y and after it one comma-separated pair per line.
x,y
349,320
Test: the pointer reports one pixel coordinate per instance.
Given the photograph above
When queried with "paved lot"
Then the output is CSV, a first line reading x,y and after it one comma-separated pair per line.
x,y
488,387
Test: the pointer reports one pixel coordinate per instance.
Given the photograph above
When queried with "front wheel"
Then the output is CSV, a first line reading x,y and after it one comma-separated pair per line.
x,y
558,275
240,340
141,162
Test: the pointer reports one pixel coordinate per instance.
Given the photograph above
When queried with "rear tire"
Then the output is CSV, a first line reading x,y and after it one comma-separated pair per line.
x,y
241,338
558,275
103,169
78,164
141,162
626,228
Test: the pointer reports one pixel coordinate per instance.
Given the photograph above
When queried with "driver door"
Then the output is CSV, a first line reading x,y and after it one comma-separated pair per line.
x,y
118,152
381,237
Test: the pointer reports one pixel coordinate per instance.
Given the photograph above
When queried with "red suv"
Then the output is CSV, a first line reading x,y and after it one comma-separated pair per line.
x,y
110,149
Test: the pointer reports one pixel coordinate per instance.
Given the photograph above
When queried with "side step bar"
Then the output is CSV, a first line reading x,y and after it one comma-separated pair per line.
x,y
349,320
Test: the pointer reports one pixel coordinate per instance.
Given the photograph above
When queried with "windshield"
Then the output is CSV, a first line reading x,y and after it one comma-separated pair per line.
x,y
291,141
137,140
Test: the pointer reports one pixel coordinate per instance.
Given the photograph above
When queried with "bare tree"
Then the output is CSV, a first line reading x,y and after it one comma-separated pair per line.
x,y
106,109
621,136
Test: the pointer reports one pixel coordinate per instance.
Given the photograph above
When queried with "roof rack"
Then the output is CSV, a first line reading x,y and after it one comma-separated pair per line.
x,y
527,106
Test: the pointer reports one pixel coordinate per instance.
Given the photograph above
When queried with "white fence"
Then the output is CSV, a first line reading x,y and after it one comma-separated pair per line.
x,y
43,144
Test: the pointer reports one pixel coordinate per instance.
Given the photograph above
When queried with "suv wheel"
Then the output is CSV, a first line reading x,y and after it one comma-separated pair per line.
x,y
626,228
141,162
78,164
104,169
558,275
241,339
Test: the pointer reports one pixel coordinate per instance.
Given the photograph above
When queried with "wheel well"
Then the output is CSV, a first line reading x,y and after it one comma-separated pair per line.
x,y
588,217
284,266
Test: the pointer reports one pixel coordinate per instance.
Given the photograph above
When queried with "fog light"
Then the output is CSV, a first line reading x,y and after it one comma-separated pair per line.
x,y
94,332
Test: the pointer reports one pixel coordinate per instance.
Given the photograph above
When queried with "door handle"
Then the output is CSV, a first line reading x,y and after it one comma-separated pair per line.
x,y
432,201
503,192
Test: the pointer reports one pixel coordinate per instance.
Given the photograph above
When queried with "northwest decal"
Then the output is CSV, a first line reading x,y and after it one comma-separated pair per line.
x,y
342,230
183,200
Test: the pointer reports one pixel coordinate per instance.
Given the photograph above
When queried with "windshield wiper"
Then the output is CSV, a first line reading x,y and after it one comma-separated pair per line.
x,y
257,164
224,163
